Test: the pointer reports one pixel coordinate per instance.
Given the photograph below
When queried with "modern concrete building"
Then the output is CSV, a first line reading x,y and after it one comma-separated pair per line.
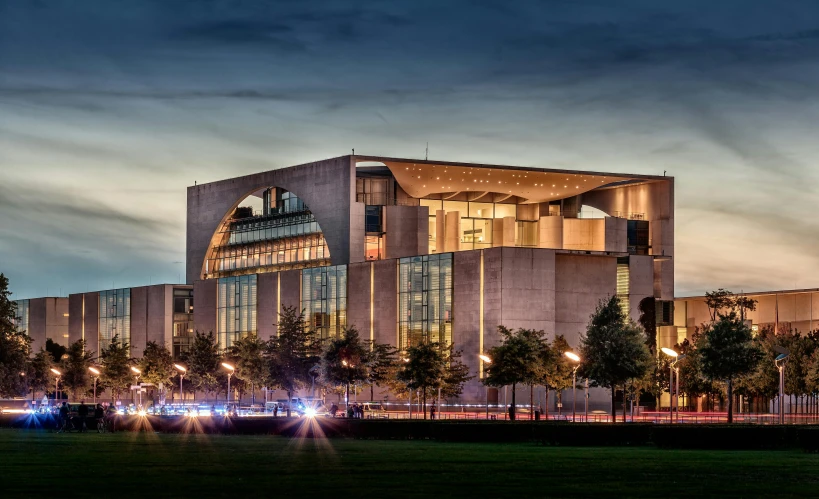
x,y
43,318
162,313
796,309
410,250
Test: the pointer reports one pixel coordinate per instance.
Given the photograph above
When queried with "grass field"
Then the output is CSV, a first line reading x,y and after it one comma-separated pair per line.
x,y
151,465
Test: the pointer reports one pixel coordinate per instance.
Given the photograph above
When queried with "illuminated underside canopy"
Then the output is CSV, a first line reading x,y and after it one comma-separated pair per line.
x,y
423,180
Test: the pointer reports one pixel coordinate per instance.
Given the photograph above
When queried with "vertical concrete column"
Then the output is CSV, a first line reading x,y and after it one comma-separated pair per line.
x,y
440,231
453,231
509,231
550,232
615,234
497,233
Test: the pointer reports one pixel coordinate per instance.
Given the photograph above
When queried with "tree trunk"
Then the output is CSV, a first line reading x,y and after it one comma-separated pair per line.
x,y
347,396
425,402
613,403
625,402
730,400
512,407
289,400
372,392
531,402
546,407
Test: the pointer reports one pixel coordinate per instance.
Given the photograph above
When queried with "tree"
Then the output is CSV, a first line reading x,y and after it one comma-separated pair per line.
x,y
717,301
515,361
381,365
55,349
344,361
156,365
558,371
41,378
648,320
424,368
456,373
116,363
728,352
248,356
15,347
203,361
613,350
292,353
75,369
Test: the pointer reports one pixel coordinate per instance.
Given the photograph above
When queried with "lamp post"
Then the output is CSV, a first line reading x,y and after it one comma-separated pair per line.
x,y
137,374
56,383
673,354
779,362
486,360
182,371
96,373
230,370
575,358
409,395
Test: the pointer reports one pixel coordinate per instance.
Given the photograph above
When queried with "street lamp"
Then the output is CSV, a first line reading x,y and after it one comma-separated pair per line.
x,y
56,383
96,373
230,370
137,374
673,389
182,371
574,358
486,360
779,362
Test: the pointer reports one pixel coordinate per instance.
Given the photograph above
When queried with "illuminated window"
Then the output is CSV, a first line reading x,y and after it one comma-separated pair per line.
x,y
425,299
182,321
623,287
115,316
324,299
236,311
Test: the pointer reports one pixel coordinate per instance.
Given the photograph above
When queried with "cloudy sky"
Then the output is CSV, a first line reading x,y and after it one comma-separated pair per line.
x,y
108,110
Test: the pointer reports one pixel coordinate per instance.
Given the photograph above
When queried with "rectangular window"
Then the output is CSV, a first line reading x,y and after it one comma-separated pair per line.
x,y
114,317
324,299
236,309
623,287
425,299
21,316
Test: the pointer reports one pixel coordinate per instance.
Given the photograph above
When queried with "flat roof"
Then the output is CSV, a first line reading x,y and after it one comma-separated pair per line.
x,y
759,293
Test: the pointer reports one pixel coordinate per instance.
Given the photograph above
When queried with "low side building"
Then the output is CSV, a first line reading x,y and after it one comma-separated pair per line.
x,y
162,313
796,309
42,319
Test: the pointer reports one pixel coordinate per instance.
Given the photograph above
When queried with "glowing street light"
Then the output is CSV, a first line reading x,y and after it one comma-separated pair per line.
x,y
56,383
574,358
137,374
779,362
182,371
96,373
230,370
486,360
673,393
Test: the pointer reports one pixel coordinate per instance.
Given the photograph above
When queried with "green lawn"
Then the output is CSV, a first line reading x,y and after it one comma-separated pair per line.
x,y
149,465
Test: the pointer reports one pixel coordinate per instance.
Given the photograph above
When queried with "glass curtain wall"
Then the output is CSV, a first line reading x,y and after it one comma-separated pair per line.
x,y
236,310
324,299
115,317
21,316
425,299
182,321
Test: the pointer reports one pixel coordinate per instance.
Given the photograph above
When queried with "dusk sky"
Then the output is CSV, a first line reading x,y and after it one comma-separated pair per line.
x,y
109,109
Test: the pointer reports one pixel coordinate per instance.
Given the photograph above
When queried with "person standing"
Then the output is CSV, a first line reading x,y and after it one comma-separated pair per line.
x,y
82,412
432,412
63,414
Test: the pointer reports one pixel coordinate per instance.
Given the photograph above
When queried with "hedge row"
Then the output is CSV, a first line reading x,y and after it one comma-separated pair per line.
x,y
684,436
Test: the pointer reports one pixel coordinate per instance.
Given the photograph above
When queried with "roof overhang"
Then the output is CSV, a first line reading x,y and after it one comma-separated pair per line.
x,y
425,179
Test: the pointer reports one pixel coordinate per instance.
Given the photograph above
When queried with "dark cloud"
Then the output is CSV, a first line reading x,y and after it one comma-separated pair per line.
x,y
109,95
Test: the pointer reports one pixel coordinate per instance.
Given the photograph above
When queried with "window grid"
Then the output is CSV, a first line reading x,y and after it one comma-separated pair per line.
x,y
425,299
21,318
236,309
115,316
324,299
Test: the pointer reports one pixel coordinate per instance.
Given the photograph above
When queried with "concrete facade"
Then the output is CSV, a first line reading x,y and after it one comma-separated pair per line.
x,y
48,319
